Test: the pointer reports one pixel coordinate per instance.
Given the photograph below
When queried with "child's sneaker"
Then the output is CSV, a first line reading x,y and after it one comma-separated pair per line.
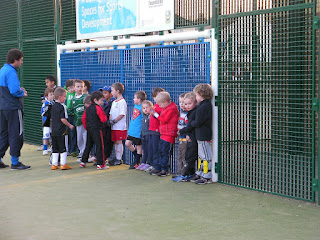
x,y
111,162
186,178
146,166
203,181
154,172
54,167
92,159
177,178
163,173
149,169
65,167
40,148
101,167
132,166
45,152
82,164
140,166
79,160
117,162
181,178
194,178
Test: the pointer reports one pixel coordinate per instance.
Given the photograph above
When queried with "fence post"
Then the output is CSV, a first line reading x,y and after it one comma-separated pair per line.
x,y
215,119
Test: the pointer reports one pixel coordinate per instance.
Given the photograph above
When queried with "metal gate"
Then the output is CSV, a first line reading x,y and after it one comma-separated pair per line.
x,y
266,91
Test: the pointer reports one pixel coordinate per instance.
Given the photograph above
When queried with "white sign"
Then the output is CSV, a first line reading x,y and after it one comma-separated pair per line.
x,y
102,18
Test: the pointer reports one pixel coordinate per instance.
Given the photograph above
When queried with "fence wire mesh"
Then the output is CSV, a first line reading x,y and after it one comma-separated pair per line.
x,y
266,90
241,6
176,68
190,13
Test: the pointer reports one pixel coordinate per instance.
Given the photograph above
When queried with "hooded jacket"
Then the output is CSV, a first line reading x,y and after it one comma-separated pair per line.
x,y
11,94
168,118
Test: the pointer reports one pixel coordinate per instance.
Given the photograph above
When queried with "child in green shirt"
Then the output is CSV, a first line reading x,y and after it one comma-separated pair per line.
x,y
77,109
72,147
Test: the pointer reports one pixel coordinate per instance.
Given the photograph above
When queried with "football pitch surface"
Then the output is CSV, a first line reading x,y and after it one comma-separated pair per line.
x,y
117,203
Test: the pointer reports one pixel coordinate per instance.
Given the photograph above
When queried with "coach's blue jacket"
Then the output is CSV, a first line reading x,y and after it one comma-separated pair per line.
x,y
10,92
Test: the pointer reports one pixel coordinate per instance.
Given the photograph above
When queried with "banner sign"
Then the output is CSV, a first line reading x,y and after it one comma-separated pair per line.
x,y
102,18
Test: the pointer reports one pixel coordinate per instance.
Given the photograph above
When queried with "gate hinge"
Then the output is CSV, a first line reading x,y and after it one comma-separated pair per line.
x,y
315,22
315,185
315,104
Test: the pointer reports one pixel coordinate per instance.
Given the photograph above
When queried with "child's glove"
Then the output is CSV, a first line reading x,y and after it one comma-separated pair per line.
x,y
111,123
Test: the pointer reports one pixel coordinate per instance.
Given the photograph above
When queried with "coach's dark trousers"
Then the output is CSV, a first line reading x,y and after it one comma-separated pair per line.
x,y
11,132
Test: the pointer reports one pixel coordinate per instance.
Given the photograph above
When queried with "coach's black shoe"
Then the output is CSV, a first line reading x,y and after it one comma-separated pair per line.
x,y
20,166
2,165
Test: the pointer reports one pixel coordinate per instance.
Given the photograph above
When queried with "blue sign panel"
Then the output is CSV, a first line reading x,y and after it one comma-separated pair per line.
x,y
106,15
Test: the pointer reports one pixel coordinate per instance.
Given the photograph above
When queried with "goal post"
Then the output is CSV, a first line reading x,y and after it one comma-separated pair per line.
x,y
165,41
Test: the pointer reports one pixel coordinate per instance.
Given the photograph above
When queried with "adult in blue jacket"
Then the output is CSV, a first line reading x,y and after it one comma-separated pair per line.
x,y
11,122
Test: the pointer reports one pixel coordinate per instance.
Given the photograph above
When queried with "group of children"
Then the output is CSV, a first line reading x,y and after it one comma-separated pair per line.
x,y
100,121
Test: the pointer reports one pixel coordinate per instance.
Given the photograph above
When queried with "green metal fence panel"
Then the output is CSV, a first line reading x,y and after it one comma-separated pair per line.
x,y
9,27
38,40
266,89
37,18
228,7
68,20
9,21
192,13
4,47
39,61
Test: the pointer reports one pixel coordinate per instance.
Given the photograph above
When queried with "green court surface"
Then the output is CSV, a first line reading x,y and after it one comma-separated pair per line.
x,y
41,204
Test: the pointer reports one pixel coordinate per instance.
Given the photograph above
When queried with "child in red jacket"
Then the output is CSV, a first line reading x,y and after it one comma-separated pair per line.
x,y
93,119
154,138
168,118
